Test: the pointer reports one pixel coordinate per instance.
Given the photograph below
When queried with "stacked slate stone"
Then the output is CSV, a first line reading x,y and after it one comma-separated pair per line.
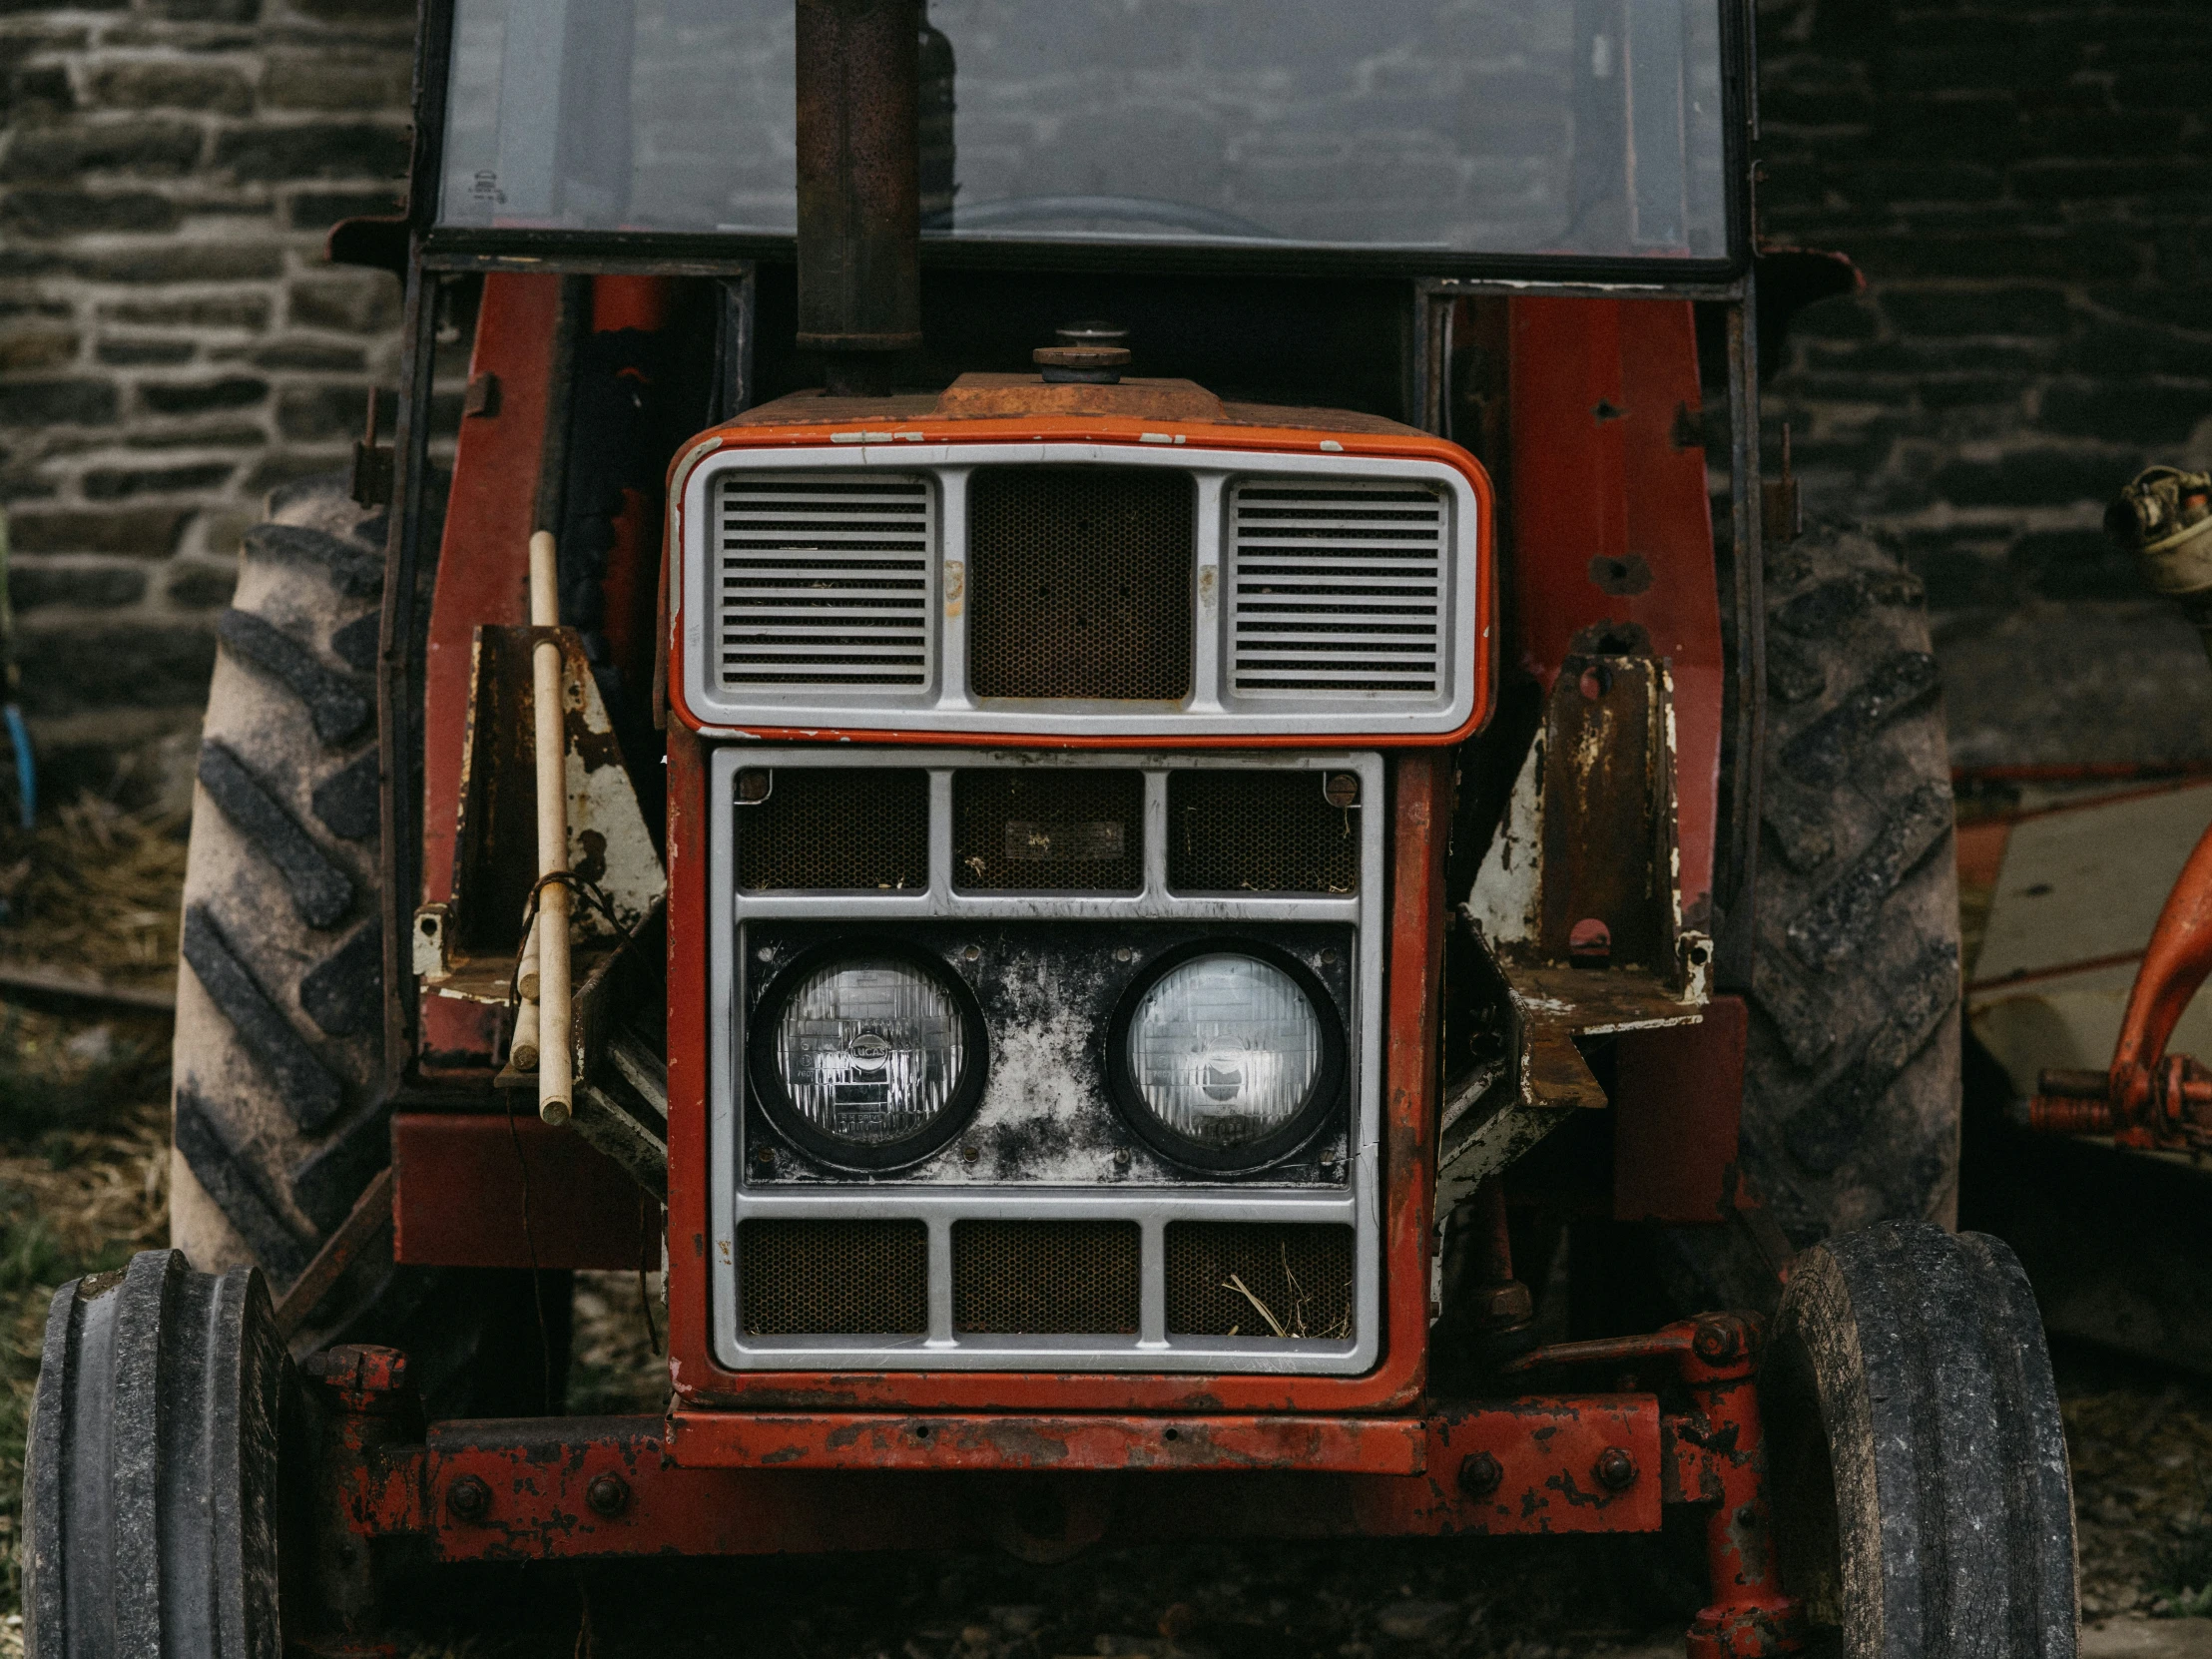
x,y
172,343
2029,188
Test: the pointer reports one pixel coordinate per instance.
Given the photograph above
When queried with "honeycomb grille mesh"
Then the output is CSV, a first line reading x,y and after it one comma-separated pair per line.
x,y
1080,582
1045,1278
1300,1274
834,828
1336,587
824,581
834,1277
1048,829
1260,831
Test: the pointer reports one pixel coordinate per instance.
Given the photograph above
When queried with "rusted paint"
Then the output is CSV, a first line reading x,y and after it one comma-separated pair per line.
x,y
538,1474
1589,488
1608,812
1713,1455
1351,1445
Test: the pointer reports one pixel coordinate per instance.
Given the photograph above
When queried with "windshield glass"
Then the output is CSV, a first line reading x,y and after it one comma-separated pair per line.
x,y
1583,126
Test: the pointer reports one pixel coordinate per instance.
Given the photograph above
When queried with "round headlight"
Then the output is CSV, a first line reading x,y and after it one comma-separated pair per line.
x,y
869,1058
1228,1058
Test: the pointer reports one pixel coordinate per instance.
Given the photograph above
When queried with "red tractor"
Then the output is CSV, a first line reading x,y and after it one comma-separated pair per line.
x,y
1150,955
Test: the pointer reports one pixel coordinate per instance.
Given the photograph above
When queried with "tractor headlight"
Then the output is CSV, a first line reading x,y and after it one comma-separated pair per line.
x,y
870,1057
1225,1059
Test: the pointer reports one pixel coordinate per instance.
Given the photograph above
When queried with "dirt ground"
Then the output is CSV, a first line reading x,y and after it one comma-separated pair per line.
x,y
83,1165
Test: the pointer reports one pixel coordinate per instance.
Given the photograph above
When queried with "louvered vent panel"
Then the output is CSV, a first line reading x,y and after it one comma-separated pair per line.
x,y
825,582
1338,587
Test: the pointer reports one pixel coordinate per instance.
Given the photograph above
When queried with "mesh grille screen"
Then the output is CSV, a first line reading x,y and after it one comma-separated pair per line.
x,y
824,581
1259,831
1303,1275
834,1277
1336,587
831,828
1079,582
1045,1278
1051,829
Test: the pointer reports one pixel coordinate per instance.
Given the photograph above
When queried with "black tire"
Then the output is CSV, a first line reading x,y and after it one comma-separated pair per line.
x,y
1922,1505
1851,1092
279,1119
152,1510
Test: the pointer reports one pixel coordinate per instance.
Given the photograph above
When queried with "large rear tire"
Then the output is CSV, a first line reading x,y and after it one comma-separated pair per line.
x,y
280,1120
1851,1094
1922,1505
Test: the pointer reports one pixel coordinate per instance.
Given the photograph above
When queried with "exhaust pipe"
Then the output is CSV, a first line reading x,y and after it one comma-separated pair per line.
x,y
859,189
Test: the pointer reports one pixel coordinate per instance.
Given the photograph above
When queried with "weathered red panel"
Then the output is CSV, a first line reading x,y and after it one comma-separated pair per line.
x,y
462,1184
579,1487
1677,1112
1350,1445
1613,523
483,578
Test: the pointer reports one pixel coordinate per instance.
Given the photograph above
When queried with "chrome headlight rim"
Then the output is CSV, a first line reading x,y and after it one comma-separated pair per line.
x,y
1323,1094
774,1097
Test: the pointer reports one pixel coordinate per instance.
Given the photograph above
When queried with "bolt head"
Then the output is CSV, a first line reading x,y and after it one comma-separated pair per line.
x,y
468,1498
608,1494
1716,1339
1507,1303
1615,1469
1481,1476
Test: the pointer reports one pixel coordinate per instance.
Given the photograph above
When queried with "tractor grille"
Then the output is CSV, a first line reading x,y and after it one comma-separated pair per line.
x,y
1338,587
1300,1274
1260,831
834,1277
1080,582
1058,829
1045,1278
825,583
827,827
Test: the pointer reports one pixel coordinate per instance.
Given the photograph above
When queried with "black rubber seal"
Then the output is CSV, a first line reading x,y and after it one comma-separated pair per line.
x,y
1323,1095
776,1100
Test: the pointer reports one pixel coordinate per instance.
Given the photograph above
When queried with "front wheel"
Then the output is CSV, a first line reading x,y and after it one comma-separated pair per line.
x,y
1922,1505
152,1509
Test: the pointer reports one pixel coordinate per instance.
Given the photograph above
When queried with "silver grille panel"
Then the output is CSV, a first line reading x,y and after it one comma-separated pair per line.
x,y
1333,595
1336,587
824,582
1066,1185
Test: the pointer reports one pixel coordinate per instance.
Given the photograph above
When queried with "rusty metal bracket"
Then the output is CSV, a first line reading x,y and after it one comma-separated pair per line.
x,y
1714,1455
1578,914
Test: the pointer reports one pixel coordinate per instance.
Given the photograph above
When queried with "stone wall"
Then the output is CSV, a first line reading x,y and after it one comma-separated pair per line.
x,y
170,343
2027,184
2029,188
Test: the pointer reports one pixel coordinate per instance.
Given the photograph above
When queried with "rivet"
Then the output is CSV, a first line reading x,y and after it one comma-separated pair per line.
x,y
972,1151
1481,1476
468,1498
608,1494
972,954
1617,1470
